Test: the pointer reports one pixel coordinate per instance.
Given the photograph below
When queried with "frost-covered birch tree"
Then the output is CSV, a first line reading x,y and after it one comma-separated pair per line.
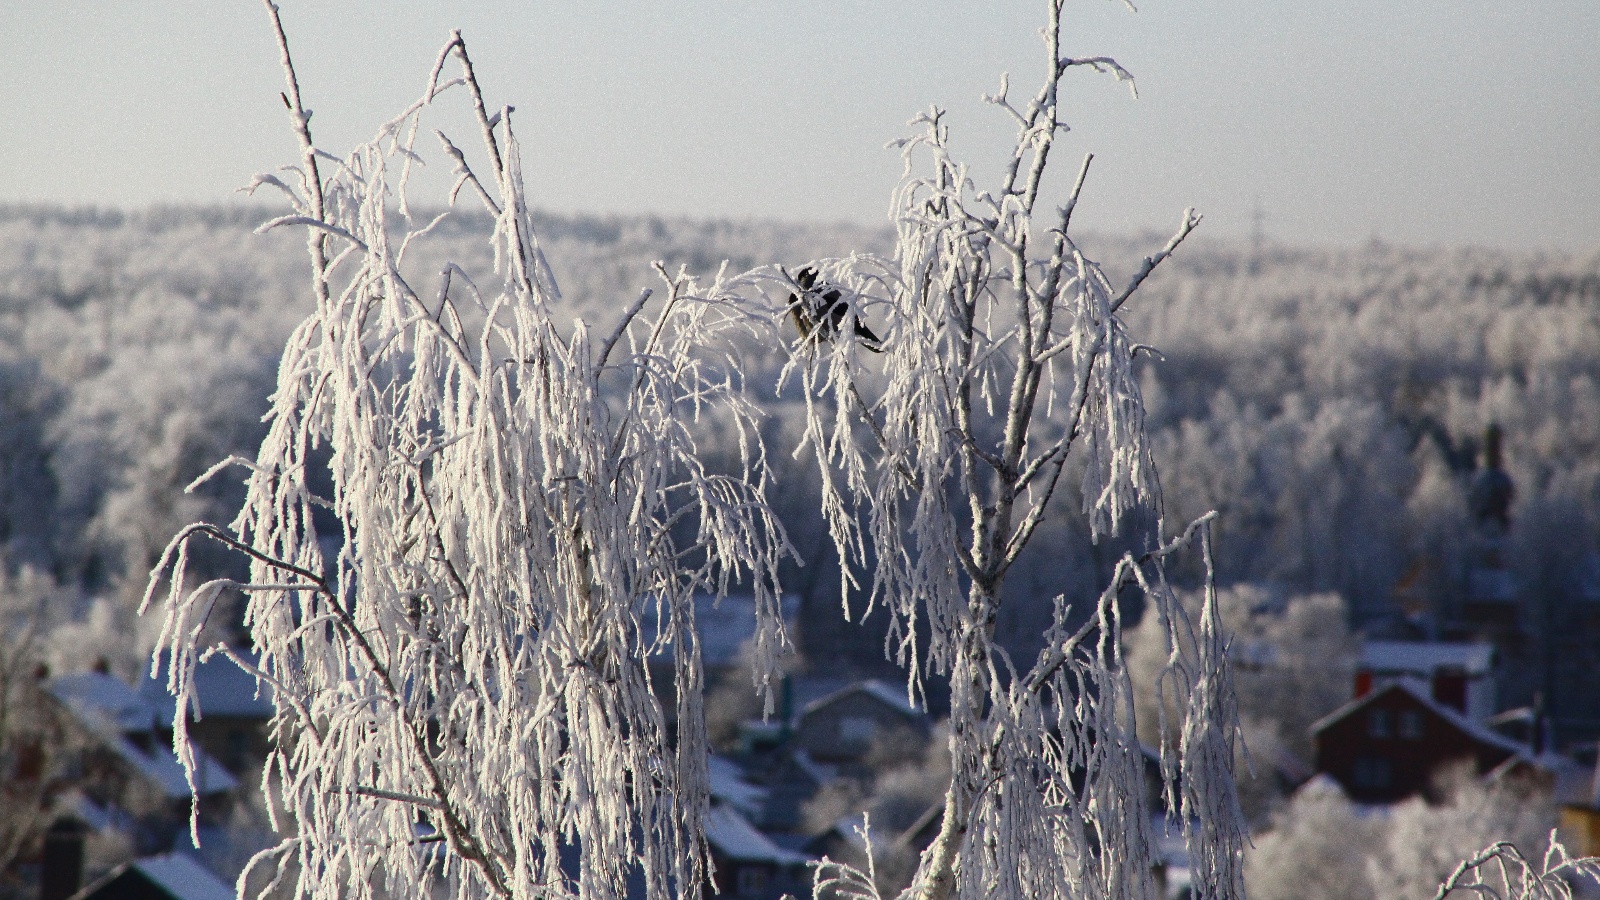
x,y
999,375
453,630
468,529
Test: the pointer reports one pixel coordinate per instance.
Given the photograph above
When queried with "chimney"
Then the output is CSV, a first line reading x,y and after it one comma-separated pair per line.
x,y
1363,684
62,872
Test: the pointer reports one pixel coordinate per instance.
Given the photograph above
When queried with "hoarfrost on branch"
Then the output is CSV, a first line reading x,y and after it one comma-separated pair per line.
x,y
453,632
1003,357
459,663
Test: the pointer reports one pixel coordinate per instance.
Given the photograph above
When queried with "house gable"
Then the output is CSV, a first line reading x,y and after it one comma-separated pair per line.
x,y
1388,745
843,725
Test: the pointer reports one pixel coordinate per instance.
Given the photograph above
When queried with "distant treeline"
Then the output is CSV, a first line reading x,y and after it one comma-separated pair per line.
x,y
1326,402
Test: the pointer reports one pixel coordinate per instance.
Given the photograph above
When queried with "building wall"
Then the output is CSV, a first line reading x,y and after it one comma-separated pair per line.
x,y
1391,747
1580,830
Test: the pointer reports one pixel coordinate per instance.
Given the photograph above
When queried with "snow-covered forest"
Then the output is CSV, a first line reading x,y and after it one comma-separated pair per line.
x,y
1327,402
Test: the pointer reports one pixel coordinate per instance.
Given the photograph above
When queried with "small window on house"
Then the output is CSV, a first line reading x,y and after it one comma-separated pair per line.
x,y
1372,772
752,881
857,730
1410,725
1378,724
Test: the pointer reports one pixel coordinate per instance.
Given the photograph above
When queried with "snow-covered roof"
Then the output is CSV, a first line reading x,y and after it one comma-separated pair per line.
x,y
1426,657
176,875
102,701
222,687
160,766
729,786
98,817
819,773
804,689
853,829
732,835
183,878
1570,782
723,627
1475,730
116,712
893,697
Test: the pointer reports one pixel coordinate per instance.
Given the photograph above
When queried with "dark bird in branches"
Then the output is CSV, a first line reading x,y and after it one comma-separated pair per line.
x,y
822,309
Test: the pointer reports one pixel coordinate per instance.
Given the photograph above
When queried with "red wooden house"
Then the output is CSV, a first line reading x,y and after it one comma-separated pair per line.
x,y
1388,745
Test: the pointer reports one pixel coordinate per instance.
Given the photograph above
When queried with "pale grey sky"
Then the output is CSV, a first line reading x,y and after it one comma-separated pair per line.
x,y
1417,121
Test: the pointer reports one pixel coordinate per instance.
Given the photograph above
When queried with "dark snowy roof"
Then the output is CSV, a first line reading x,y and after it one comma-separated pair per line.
x,y
102,701
853,829
128,724
807,689
222,687
732,835
724,626
894,698
173,875
729,786
1570,783
1426,657
819,774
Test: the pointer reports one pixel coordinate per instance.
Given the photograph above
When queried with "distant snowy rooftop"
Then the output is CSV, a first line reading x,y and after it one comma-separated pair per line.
x,y
183,878
128,724
1476,731
732,835
103,701
724,627
854,829
728,785
158,763
891,696
1426,657
222,688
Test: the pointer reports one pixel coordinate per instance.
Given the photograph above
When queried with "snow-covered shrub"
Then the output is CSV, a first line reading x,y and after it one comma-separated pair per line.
x,y
1323,846
1317,848
1423,844
1293,659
